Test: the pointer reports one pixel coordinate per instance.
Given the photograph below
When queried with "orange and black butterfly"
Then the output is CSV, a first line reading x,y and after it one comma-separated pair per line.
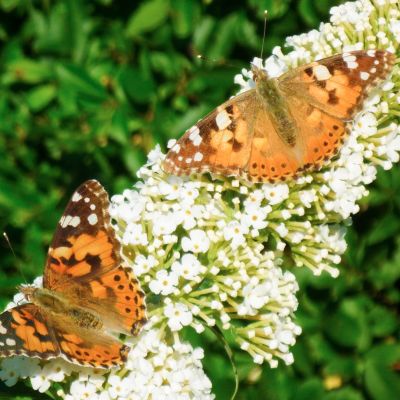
x,y
87,295
284,125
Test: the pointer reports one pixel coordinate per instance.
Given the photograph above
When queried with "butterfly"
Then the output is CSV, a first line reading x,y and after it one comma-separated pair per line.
x,y
285,125
88,293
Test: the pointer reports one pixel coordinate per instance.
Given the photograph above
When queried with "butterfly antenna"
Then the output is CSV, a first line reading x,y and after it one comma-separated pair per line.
x,y
206,59
13,252
264,33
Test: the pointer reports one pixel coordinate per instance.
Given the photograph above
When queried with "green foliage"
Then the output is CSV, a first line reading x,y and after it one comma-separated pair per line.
x,y
88,88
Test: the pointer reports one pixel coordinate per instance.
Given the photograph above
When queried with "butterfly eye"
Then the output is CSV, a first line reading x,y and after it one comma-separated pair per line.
x,y
258,73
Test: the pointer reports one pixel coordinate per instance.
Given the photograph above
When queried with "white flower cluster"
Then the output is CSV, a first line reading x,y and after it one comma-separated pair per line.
x,y
327,198
200,249
214,251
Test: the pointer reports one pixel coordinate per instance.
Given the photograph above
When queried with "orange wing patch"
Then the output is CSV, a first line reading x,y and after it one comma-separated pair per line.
x,y
118,298
265,163
101,351
24,330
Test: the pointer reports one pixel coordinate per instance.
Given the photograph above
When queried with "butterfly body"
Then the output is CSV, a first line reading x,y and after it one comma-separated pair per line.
x,y
284,125
57,306
88,294
275,104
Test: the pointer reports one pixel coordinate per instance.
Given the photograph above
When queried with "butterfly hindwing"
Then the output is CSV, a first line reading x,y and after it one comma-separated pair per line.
x,y
117,297
265,164
92,348
24,331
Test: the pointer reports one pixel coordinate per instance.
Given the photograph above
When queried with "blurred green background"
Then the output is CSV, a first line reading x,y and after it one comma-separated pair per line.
x,y
88,88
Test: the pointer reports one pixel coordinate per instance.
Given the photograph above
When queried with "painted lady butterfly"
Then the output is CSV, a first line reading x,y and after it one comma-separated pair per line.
x,y
87,292
284,125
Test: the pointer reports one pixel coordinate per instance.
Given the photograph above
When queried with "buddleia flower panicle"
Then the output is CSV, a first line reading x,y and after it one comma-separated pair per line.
x,y
218,252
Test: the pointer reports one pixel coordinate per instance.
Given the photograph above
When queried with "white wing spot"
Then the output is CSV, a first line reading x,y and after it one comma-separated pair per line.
x,y
69,220
371,53
321,72
193,131
10,342
76,197
1,344
180,158
188,160
376,62
364,76
194,135
87,199
92,219
171,143
352,65
198,157
349,58
350,61
3,330
372,70
75,221
92,207
222,120
176,148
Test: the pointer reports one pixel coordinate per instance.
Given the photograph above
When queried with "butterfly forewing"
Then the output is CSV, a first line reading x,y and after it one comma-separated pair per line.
x,y
219,142
85,243
338,84
246,136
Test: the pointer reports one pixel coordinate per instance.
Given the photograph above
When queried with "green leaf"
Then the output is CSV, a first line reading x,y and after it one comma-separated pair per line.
x,y
381,381
351,325
222,42
149,16
384,228
184,15
138,85
347,393
382,321
78,80
307,11
41,96
27,71
312,388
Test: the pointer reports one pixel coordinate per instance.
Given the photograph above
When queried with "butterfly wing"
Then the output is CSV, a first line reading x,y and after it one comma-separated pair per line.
x,y
85,264
84,244
337,85
220,142
324,95
91,348
24,330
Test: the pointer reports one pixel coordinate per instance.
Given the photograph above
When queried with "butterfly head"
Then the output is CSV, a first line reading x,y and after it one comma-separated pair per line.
x,y
28,291
258,74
